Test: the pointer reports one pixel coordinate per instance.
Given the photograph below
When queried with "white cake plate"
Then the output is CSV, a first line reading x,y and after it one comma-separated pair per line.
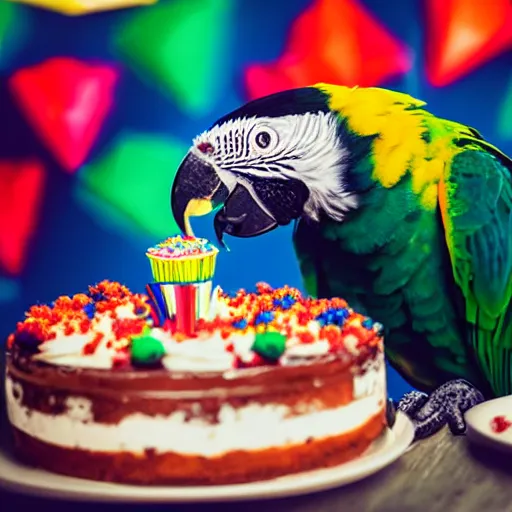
x,y
388,448
479,422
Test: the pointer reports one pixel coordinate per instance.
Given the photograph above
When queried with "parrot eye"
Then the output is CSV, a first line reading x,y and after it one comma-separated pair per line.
x,y
262,139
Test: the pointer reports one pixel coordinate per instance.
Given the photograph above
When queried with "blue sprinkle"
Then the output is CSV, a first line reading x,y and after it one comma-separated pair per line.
x,y
140,311
288,302
343,313
97,297
277,303
264,318
367,323
90,310
333,317
240,324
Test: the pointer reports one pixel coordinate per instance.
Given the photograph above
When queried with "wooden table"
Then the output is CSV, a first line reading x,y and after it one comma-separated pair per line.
x,y
442,473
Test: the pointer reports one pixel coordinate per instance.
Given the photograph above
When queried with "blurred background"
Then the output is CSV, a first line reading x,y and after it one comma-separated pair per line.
x,y
99,101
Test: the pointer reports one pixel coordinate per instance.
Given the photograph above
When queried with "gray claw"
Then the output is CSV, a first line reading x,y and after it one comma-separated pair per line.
x,y
445,406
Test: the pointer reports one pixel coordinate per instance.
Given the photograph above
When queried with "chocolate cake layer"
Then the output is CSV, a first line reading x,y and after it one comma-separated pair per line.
x,y
113,395
153,468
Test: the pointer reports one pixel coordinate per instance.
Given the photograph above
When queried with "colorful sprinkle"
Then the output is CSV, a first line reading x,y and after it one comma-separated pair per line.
x,y
274,316
181,246
90,310
367,323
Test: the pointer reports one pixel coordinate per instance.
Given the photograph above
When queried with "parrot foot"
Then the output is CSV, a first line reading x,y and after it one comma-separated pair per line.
x,y
445,406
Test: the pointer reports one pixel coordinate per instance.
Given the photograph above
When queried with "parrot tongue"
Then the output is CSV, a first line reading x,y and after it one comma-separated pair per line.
x,y
195,208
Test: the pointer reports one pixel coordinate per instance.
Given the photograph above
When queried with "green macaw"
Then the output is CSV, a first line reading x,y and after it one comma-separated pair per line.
x,y
405,215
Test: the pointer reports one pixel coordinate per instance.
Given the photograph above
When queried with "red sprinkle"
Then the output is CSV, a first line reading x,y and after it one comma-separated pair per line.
x,y
91,347
306,337
500,424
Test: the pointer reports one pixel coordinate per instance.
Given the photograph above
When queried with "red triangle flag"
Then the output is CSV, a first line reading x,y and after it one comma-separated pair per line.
x,y
464,34
21,193
66,101
334,41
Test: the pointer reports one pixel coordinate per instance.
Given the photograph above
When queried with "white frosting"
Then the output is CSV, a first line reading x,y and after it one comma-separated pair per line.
x,y
316,349
207,353
373,378
218,306
68,349
252,427
197,354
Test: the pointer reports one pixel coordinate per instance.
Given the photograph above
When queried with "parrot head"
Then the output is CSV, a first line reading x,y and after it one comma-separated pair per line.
x,y
269,162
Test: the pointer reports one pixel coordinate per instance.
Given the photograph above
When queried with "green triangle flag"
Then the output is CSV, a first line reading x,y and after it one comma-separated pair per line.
x,y
505,117
183,46
12,29
132,182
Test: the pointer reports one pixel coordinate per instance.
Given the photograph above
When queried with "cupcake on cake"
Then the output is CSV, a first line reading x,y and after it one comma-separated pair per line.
x,y
183,268
183,259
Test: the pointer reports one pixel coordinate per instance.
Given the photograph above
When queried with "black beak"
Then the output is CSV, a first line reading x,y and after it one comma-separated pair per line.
x,y
259,205
255,206
197,190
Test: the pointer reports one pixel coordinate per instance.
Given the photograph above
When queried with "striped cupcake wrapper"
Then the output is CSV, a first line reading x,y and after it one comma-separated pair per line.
x,y
189,270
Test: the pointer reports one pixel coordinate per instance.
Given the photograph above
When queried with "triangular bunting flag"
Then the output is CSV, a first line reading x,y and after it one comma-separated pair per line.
x,y
134,179
66,101
21,190
77,7
9,290
181,45
335,41
463,34
505,116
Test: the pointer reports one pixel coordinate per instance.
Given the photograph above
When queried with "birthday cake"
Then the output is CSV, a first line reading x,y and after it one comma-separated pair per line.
x,y
160,388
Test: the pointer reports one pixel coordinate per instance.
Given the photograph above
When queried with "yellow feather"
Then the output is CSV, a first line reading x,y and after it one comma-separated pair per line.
x,y
428,198
399,146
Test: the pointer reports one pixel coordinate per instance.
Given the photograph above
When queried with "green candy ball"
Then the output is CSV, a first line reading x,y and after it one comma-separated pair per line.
x,y
146,350
269,344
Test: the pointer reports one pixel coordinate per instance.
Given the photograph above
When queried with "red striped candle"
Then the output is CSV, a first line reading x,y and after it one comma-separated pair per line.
x,y
185,308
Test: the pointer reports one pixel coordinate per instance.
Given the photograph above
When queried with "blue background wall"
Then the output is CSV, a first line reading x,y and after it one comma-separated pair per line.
x,y
76,244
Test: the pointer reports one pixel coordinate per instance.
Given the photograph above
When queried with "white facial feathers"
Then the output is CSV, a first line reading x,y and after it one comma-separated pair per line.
x,y
304,147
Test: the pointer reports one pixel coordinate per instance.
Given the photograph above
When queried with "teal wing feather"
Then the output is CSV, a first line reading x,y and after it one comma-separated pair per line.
x,y
475,199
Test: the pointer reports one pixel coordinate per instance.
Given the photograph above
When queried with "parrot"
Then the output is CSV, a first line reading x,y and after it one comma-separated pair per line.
x,y
405,215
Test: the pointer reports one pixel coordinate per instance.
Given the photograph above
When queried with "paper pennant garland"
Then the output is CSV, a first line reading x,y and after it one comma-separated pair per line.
x,y
135,177
181,45
505,115
9,290
463,34
77,7
21,189
336,41
66,101
11,30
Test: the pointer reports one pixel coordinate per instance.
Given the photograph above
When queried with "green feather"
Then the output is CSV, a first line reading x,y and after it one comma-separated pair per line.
x,y
478,221
438,278
389,259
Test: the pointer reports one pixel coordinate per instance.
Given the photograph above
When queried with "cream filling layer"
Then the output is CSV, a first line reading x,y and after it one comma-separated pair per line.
x,y
253,427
